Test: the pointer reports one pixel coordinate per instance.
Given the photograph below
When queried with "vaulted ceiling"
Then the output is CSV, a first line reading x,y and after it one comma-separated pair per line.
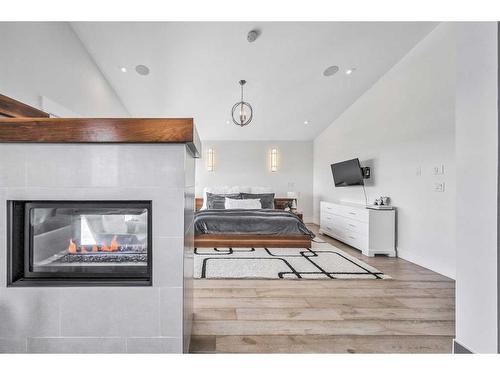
x,y
195,68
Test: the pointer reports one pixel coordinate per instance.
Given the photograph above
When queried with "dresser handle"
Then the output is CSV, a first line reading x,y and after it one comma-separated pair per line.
x,y
352,213
352,225
352,237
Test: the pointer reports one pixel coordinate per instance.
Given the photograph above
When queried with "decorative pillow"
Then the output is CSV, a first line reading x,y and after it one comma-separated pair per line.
x,y
220,190
217,201
266,200
243,204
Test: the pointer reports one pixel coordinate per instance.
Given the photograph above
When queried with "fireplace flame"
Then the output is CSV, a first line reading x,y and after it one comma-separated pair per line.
x,y
114,245
72,247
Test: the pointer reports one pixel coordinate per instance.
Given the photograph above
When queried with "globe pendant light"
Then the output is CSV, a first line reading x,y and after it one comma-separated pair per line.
x,y
242,112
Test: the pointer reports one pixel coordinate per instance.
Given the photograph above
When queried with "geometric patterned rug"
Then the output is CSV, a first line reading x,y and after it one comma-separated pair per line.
x,y
322,261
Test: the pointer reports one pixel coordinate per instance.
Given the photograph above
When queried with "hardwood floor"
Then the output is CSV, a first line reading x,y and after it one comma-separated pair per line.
x,y
414,312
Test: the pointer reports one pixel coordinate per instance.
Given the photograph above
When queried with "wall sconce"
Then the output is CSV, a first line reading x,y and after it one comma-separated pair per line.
x,y
210,160
274,160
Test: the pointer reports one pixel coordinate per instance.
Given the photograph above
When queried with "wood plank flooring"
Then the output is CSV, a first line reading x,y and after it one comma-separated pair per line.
x,y
412,313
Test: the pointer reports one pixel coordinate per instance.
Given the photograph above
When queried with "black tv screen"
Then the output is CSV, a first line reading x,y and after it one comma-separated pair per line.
x,y
347,173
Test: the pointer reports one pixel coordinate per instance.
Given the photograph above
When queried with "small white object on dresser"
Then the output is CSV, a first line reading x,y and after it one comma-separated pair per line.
x,y
371,231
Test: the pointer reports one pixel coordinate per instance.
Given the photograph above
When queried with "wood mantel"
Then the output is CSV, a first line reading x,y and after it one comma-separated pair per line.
x,y
101,130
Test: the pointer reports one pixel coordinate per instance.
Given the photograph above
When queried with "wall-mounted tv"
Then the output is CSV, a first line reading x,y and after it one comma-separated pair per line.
x,y
347,173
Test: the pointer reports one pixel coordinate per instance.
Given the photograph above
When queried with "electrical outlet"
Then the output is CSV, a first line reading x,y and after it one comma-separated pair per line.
x,y
418,171
439,187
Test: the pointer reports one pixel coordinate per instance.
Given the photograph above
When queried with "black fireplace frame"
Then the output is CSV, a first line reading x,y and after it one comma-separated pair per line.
x,y
18,236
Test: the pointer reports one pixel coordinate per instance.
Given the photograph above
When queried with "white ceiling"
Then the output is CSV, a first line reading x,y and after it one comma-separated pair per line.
x,y
195,69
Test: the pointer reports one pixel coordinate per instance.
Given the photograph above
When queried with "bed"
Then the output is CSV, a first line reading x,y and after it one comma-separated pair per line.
x,y
270,228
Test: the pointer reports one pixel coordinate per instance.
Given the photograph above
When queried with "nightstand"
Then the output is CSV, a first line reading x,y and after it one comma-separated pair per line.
x,y
299,214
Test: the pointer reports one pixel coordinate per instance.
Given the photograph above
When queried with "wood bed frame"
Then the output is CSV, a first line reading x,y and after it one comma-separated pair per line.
x,y
251,240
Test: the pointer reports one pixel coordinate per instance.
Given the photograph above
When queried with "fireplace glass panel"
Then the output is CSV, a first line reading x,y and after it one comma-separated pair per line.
x,y
73,241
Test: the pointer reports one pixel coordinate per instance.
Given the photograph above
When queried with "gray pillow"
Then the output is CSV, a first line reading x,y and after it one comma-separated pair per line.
x,y
266,200
217,201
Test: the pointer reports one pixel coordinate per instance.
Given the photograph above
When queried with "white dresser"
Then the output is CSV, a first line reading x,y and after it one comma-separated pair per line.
x,y
369,230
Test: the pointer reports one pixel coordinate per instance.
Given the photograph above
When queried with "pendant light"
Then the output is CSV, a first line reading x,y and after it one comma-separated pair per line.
x,y
242,112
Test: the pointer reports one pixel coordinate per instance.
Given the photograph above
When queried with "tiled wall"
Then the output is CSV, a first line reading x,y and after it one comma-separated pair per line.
x,y
103,319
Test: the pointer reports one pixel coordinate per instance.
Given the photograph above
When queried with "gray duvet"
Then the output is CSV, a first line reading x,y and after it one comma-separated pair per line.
x,y
264,221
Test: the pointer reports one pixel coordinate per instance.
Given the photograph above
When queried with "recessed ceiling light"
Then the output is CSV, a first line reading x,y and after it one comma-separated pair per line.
x,y
123,69
331,70
253,35
143,70
228,122
306,122
350,71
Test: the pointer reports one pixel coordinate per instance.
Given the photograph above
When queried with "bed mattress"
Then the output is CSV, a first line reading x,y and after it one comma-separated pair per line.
x,y
263,221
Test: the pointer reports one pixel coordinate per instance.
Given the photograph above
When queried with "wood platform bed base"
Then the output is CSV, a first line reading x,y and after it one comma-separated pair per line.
x,y
244,240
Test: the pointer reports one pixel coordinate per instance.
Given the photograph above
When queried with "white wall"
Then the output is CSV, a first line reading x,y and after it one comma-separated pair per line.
x,y
403,124
477,187
247,163
47,59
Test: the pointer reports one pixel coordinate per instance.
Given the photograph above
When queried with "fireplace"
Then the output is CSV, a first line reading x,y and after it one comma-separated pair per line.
x,y
79,243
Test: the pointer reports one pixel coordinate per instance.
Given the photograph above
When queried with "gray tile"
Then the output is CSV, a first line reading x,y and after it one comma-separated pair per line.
x,y
154,345
189,208
105,312
3,212
190,168
3,261
167,261
171,306
29,312
12,345
105,165
168,213
76,345
12,167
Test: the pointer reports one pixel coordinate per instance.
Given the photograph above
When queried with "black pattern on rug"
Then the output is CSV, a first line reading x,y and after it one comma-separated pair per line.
x,y
326,262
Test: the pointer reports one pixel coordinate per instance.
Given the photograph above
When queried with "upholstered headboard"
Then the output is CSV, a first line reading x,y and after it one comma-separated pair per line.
x,y
279,203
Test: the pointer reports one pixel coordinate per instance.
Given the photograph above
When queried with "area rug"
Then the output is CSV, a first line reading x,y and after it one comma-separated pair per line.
x,y
320,262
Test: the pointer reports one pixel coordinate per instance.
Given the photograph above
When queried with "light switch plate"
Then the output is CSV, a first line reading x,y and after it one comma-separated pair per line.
x,y
438,169
439,187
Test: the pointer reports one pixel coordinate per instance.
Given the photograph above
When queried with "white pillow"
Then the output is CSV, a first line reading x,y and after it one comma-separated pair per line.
x,y
243,204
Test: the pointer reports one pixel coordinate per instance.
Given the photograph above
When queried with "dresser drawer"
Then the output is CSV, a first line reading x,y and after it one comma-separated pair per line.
x,y
357,240
351,212
344,223
327,208
355,213
352,225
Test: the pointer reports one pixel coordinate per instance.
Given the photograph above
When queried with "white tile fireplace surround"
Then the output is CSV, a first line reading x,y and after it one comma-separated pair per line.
x,y
100,319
